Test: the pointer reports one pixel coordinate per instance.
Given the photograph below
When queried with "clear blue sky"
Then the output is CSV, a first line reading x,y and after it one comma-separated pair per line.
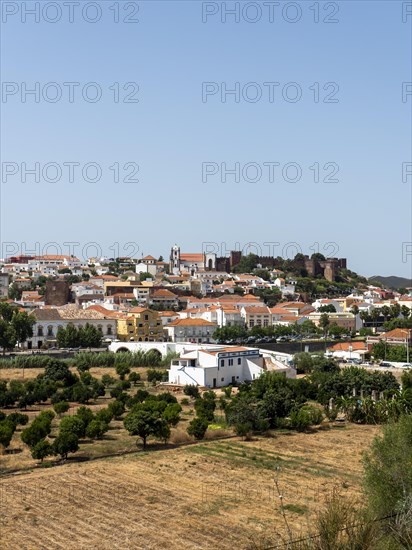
x,y
170,132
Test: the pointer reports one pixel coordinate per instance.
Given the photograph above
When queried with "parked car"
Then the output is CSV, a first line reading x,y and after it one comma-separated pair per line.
x,y
385,364
407,366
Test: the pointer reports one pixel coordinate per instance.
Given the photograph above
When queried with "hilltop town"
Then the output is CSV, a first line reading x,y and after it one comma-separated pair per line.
x,y
202,298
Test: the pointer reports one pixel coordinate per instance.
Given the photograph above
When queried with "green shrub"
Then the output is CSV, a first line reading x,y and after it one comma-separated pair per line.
x,y
96,429
197,428
61,407
116,408
73,424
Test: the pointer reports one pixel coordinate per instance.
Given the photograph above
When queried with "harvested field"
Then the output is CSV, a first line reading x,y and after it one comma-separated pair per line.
x,y
214,494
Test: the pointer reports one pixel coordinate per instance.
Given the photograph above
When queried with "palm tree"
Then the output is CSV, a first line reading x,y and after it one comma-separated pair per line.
x,y
376,313
405,311
385,312
395,310
364,315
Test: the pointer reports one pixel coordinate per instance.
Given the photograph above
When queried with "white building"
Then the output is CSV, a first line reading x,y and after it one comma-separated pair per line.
x,y
284,286
217,368
148,264
229,316
320,302
49,320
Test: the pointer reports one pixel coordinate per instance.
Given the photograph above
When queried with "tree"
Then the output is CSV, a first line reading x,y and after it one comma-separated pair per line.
x,y
143,276
154,375
117,408
23,325
228,333
388,468
172,413
243,414
14,292
108,380
336,330
238,290
197,428
205,408
15,326
271,296
307,327
329,308
145,422
8,336
105,415
247,264
134,377
68,337
85,414
61,407
65,442
41,450
262,273
96,429
406,380
74,425
406,311
89,336
318,257
6,433
58,370
35,433
324,322
18,418
122,370
303,362
305,417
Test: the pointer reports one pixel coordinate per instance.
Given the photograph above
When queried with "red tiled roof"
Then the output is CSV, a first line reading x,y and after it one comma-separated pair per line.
x,y
163,293
196,258
190,322
344,346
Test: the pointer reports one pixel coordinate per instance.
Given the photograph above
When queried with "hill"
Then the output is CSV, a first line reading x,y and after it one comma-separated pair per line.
x,y
392,281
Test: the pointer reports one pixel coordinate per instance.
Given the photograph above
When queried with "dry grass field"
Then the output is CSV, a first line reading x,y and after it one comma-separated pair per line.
x,y
209,495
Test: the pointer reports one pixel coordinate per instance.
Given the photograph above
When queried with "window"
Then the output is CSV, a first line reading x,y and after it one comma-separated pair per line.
x,y
222,379
239,360
222,362
251,323
49,330
230,362
109,329
40,331
146,317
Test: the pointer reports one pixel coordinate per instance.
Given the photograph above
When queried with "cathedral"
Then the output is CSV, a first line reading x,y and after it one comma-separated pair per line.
x,y
190,262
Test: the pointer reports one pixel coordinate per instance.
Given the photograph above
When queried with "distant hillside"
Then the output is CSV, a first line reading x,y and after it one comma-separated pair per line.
x,y
392,281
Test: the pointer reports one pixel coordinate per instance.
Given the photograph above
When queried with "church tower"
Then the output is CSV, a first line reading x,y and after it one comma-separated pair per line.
x,y
175,260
